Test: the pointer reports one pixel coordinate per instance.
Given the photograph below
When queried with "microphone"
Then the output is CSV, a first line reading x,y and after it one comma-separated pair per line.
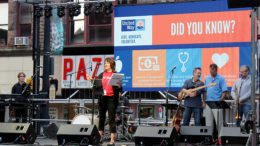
x,y
173,68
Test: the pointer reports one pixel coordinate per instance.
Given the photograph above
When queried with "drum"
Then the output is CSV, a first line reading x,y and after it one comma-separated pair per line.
x,y
84,119
81,119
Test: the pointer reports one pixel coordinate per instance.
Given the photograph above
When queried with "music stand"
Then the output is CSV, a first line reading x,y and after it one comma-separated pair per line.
x,y
97,90
97,87
218,105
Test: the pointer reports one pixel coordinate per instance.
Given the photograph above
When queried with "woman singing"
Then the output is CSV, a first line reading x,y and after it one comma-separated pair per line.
x,y
109,100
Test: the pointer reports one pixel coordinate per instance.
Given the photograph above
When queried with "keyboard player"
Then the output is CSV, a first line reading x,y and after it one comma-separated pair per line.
x,y
20,108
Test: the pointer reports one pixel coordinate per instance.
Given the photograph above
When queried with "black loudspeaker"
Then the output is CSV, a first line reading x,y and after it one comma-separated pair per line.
x,y
194,134
150,136
243,3
21,133
51,131
233,135
51,72
78,134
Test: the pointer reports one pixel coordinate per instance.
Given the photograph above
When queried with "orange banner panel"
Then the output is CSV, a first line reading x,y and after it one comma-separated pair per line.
x,y
227,60
197,28
149,68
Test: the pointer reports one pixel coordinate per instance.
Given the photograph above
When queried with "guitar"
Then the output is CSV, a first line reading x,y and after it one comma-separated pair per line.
x,y
176,120
181,93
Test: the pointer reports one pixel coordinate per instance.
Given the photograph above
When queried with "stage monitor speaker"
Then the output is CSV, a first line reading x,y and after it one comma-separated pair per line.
x,y
194,134
51,131
243,3
233,135
79,134
150,136
21,133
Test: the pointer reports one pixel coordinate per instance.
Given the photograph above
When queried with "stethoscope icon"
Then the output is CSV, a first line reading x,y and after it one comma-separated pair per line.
x,y
183,68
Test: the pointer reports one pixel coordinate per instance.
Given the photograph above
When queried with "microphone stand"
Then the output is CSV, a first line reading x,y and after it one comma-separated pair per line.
x,y
25,93
32,108
70,74
93,102
167,99
139,111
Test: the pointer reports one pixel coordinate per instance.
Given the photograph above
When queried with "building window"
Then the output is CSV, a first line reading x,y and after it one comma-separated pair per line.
x,y
92,29
99,28
3,24
77,27
24,19
146,111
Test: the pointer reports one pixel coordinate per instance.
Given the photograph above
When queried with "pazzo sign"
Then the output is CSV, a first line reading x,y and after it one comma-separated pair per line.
x,y
76,68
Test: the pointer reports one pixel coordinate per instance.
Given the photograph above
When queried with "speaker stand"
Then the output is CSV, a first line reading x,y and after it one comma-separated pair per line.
x,y
121,134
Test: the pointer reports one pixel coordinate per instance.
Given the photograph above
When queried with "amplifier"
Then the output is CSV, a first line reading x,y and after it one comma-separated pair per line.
x,y
78,134
149,136
21,133
233,135
194,134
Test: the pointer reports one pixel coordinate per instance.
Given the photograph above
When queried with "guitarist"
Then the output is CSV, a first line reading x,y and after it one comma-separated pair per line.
x,y
193,101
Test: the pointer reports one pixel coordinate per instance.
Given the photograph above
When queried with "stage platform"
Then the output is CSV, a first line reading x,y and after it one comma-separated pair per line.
x,y
43,141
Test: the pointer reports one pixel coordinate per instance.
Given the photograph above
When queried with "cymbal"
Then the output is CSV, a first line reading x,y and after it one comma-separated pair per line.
x,y
123,106
83,107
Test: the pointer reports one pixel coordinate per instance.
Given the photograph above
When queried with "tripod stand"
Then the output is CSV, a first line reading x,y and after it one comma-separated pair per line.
x,y
121,134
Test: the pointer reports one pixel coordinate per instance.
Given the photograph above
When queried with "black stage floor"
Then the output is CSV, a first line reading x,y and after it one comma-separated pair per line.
x,y
43,141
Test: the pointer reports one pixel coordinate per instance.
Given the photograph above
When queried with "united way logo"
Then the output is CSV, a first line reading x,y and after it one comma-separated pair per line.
x,y
140,25
133,25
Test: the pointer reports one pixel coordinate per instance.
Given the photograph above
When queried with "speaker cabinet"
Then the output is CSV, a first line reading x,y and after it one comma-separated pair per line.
x,y
22,133
150,136
233,135
79,134
194,134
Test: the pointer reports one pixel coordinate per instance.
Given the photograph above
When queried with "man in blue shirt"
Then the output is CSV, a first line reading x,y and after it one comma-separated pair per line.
x,y
193,101
215,93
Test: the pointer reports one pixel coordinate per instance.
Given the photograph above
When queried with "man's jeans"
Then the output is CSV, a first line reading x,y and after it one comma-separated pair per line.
x,y
196,113
243,110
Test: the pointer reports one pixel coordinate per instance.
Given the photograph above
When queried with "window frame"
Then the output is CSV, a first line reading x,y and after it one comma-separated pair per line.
x,y
18,32
5,1
69,20
86,29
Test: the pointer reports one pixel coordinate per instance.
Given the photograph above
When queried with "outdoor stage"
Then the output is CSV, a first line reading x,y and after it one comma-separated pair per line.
x,y
53,142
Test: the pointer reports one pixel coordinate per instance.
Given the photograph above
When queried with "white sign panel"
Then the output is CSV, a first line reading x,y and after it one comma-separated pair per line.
x,y
78,67
53,113
97,65
68,71
133,31
83,66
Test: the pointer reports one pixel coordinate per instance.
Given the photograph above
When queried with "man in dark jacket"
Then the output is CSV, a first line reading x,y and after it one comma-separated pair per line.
x,y
19,107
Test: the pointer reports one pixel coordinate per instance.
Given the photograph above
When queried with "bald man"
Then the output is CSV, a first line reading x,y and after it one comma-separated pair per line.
x,y
243,86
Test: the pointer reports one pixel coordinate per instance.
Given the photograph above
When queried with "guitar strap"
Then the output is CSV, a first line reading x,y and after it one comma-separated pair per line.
x,y
197,83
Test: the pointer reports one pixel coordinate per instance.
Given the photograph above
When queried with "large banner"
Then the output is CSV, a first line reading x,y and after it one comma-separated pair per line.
x,y
149,44
57,42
